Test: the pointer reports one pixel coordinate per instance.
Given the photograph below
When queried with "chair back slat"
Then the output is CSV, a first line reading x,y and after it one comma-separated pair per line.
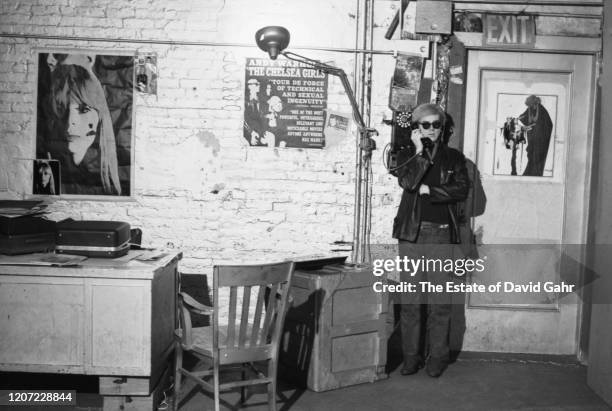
x,y
277,327
231,319
255,331
244,318
265,280
270,311
230,275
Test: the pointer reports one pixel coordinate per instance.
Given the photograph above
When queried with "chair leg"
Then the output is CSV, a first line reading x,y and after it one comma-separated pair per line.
x,y
178,363
272,385
242,389
216,383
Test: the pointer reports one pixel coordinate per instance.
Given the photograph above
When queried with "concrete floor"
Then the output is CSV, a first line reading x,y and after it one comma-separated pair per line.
x,y
490,382
473,382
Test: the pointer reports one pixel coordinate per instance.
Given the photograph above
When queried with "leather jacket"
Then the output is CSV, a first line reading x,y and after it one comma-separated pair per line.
x,y
454,186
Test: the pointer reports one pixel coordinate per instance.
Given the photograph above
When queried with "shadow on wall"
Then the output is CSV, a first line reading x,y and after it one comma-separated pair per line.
x,y
196,285
298,339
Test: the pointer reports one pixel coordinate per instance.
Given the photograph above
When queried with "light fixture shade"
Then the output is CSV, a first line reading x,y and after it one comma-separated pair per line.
x,y
272,39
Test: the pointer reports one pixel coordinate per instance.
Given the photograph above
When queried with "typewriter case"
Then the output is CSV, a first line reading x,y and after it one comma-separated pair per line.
x,y
22,235
108,239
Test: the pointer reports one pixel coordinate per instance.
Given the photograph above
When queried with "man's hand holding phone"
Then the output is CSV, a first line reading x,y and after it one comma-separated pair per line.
x,y
416,140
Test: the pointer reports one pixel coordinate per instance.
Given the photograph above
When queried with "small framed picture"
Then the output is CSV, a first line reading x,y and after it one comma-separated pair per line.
x,y
146,73
46,177
337,127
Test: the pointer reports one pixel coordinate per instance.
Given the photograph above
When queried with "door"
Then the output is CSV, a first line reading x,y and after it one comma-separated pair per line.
x,y
530,138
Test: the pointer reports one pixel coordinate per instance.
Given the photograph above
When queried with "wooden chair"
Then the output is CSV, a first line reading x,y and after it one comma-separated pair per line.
x,y
251,335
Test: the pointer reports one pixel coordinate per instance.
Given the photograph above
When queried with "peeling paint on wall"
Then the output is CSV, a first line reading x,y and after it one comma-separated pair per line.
x,y
208,139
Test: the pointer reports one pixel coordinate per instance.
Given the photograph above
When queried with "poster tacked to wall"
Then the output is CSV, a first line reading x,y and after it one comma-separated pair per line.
x,y
406,82
84,121
146,73
284,104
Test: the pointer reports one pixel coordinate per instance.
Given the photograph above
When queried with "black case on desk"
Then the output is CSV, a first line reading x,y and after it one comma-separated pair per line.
x,y
27,243
26,225
22,235
93,238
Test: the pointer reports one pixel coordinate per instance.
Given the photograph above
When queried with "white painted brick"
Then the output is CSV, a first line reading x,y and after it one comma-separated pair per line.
x,y
67,11
9,19
92,11
45,20
88,22
118,11
138,23
15,77
149,33
11,125
25,97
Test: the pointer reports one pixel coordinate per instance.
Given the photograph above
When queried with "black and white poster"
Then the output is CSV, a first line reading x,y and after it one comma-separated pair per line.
x,y
406,82
84,120
284,104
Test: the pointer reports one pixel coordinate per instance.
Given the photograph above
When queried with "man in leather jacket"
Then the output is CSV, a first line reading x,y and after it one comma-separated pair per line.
x,y
434,178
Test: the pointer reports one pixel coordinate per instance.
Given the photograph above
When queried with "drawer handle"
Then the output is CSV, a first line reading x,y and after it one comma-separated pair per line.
x,y
122,380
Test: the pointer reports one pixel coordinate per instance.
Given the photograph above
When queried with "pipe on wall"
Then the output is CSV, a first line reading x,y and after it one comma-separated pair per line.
x,y
534,3
355,50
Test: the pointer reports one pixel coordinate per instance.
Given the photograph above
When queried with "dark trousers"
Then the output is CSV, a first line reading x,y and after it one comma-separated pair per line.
x,y
432,244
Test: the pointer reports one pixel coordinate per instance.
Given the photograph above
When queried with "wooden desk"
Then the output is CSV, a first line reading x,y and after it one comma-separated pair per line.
x,y
106,317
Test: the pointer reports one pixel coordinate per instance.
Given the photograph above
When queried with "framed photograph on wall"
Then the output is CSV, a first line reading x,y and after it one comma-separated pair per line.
x,y
46,175
84,120
146,73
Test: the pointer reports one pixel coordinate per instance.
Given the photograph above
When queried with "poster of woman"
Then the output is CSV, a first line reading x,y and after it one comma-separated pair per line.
x,y
84,121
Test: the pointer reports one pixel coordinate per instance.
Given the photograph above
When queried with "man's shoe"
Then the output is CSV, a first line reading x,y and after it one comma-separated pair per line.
x,y
411,366
436,366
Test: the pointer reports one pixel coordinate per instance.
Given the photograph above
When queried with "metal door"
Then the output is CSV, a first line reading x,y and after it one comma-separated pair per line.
x,y
536,177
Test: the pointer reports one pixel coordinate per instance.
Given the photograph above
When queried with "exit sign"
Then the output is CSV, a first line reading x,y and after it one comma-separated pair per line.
x,y
507,30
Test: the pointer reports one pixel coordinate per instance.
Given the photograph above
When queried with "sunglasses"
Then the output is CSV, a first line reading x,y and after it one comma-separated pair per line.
x,y
436,124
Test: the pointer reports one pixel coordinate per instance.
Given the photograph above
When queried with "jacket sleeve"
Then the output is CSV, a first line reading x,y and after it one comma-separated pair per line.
x,y
457,185
411,173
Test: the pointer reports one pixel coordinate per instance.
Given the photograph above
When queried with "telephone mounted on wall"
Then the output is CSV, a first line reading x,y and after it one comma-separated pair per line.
x,y
400,138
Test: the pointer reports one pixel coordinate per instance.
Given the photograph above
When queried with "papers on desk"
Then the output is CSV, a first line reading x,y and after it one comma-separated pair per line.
x,y
69,260
151,255
19,208
43,259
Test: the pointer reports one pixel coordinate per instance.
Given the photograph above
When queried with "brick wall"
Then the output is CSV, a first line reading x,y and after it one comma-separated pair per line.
x,y
198,186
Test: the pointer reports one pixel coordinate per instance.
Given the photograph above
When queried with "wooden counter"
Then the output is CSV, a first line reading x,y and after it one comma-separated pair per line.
x,y
106,317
